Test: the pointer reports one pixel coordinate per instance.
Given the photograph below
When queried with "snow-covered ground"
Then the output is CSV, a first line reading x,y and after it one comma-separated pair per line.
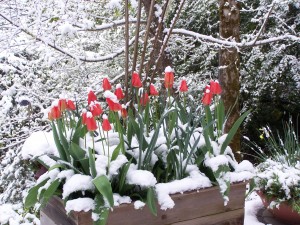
x,y
12,214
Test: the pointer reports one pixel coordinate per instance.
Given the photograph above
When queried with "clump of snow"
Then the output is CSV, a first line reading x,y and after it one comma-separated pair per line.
x,y
7,213
77,182
65,174
114,4
142,178
195,181
39,143
67,30
169,69
118,199
117,164
80,204
216,161
139,204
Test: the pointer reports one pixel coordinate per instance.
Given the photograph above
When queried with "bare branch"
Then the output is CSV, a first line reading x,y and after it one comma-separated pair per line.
x,y
137,31
126,48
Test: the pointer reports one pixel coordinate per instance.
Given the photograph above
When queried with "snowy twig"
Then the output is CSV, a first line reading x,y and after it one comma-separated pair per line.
x,y
233,43
264,24
65,52
107,25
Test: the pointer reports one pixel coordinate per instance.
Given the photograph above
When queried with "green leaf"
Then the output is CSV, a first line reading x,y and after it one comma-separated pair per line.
x,y
79,155
63,139
100,210
56,166
122,176
104,187
50,191
151,203
210,122
233,130
31,198
116,151
59,147
220,115
92,163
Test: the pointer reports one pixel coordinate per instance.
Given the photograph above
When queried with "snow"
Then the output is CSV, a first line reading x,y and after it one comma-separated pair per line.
x,y
7,214
80,204
39,143
216,161
77,182
195,181
118,200
139,204
142,178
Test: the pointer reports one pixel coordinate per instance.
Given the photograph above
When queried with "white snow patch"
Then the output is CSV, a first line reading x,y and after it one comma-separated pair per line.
x,y
77,182
139,204
141,177
80,204
118,199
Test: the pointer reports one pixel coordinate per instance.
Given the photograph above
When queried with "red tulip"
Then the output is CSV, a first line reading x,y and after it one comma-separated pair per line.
x,y
83,115
183,86
70,105
135,80
62,103
144,99
119,93
90,122
96,109
169,77
106,85
215,87
50,117
91,97
105,124
55,112
153,91
124,113
113,106
206,100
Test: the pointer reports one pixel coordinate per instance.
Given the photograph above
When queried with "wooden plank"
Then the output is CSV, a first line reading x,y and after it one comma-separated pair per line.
x,y
235,217
188,206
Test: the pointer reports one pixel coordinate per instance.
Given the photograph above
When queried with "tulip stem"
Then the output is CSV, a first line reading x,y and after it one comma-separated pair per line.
x,y
108,159
103,139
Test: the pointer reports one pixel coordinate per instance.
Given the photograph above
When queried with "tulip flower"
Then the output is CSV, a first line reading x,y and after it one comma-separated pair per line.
x,y
206,100
105,124
50,117
119,93
62,103
106,84
96,109
169,77
90,122
153,91
70,105
124,113
215,87
55,112
144,99
83,115
113,106
91,97
183,86
135,80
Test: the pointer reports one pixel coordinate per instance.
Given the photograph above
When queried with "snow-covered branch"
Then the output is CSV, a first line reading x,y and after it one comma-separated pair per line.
x,y
233,43
106,26
66,52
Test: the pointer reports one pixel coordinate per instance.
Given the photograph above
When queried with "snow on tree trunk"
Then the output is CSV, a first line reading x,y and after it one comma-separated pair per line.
x,y
229,63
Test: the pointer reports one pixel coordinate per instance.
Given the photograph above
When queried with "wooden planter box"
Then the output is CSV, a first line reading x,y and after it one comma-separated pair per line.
x,y
203,207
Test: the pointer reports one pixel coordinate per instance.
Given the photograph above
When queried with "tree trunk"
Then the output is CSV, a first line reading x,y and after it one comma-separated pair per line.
x,y
229,64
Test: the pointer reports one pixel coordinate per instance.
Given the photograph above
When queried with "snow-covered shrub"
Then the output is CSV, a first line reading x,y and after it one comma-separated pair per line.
x,y
278,175
136,151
